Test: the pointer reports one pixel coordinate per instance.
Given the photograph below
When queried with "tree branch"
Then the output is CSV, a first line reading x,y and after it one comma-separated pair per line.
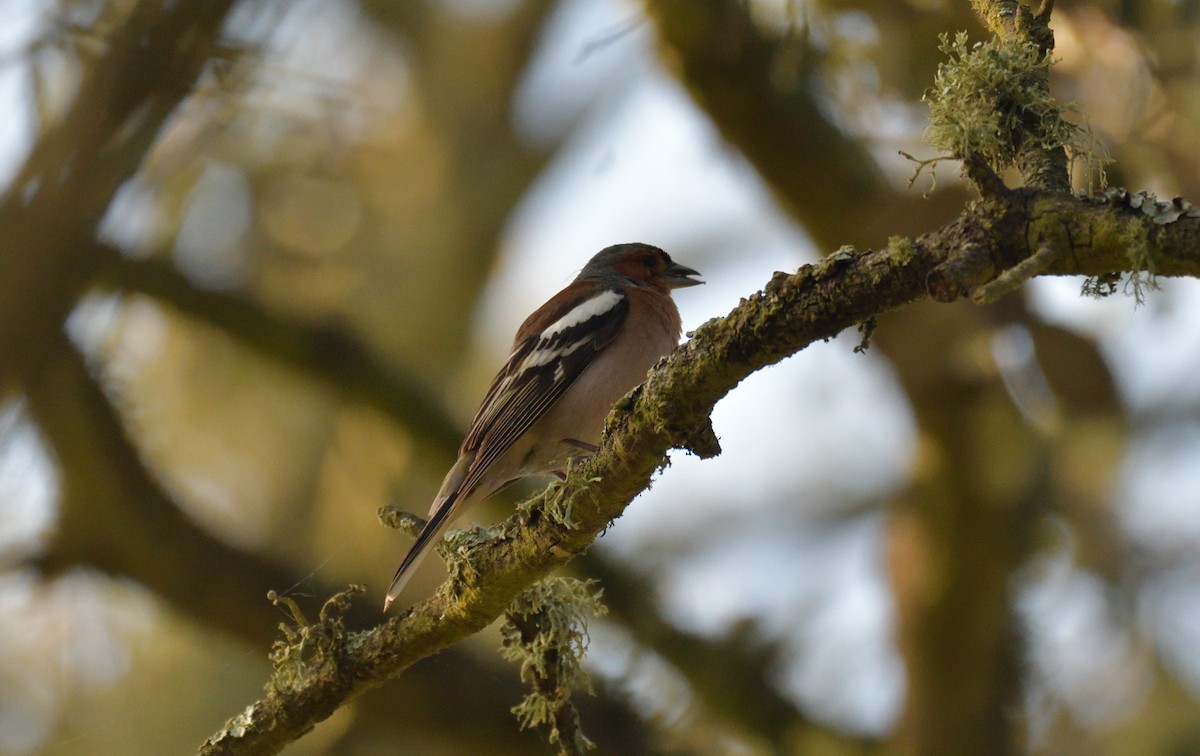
x,y
731,677
50,215
116,517
827,180
325,352
1008,19
791,312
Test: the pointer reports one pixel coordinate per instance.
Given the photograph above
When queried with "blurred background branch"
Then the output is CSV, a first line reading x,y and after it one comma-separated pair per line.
x,y
757,88
317,350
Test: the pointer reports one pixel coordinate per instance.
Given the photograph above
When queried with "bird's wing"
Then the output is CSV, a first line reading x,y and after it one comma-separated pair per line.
x,y
541,368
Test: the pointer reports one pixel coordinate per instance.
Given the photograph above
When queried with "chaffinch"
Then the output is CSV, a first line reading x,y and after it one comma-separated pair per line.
x,y
571,360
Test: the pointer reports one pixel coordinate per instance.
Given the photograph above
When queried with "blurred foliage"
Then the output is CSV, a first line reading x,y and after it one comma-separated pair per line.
x,y
243,247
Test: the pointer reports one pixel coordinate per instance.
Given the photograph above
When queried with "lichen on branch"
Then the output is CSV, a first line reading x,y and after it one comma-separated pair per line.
x,y
791,311
990,98
545,631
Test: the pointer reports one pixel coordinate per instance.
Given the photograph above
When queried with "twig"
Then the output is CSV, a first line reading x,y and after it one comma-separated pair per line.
x,y
1012,278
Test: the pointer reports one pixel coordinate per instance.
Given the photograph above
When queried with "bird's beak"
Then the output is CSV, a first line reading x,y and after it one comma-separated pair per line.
x,y
677,276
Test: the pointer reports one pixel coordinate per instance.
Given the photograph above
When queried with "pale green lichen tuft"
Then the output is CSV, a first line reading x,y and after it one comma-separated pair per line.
x,y
902,249
457,550
545,631
557,502
1135,238
236,726
991,96
1141,274
306,644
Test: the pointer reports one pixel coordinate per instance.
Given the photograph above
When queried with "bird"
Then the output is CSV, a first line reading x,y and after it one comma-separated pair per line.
x,y
571,360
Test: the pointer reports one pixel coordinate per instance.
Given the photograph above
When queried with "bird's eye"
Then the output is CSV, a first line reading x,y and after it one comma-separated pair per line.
x,y
649,261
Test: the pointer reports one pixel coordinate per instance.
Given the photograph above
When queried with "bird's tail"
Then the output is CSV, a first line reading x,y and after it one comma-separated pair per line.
x,y
428,536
